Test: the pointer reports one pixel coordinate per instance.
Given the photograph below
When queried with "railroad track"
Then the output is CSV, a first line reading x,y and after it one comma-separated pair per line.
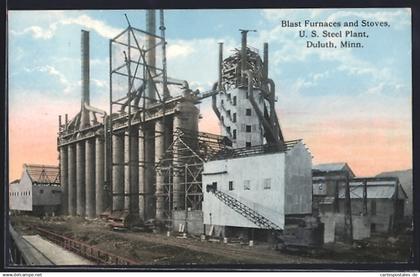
x,y
92,253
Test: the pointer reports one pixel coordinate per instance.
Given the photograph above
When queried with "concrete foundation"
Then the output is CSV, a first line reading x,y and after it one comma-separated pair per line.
x,y
329,228
361,227
192,220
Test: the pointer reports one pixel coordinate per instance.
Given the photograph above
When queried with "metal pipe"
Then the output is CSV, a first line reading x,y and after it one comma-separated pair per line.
x,y
260,115
99,174
219,85
72,189
64,179
118,172
90,179
80,178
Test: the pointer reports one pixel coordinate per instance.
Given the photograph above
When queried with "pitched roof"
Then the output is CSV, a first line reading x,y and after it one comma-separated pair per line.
x,y
375,190
332,167
43,174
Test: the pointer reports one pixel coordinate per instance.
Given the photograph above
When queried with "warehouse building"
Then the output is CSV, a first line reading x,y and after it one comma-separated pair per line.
x,y
385,202
37,192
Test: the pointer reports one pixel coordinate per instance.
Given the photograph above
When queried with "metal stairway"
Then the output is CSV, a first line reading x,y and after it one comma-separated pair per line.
x,y
244,210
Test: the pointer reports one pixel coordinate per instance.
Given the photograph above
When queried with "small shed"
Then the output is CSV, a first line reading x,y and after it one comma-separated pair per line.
x,y
327,180
38,191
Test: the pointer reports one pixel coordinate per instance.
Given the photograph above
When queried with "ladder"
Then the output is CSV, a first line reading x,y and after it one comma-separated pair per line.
x,y
245,211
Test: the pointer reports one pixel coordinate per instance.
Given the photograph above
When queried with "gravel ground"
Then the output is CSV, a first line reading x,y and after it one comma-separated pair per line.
x,y
158,249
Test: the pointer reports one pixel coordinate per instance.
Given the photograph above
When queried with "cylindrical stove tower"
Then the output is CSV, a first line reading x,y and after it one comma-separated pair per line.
x,y
64,170
90,179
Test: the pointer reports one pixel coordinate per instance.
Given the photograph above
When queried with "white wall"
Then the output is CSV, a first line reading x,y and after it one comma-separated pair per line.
x,y
20,194
268,202
242,103
298,176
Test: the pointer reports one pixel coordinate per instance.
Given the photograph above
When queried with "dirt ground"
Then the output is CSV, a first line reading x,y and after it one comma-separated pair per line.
x,y
158,249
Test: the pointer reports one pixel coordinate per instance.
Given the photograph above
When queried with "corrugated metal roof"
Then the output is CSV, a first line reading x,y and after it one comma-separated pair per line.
x,y
329,167
375,190
43,174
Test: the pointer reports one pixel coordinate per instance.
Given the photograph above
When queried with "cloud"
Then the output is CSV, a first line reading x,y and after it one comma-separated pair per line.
x,y
179,50
98,26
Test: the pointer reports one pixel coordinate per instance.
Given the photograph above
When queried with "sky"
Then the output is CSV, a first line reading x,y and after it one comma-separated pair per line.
x,y
347,104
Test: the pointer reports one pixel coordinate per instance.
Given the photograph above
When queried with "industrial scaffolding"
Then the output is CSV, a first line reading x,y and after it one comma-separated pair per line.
x,y
185,159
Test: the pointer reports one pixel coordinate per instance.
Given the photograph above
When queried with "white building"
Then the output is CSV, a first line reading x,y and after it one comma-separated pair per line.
x,y
275,184
38,190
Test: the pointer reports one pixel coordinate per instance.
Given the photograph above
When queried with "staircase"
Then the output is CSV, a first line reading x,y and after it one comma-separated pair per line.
x,y
256,218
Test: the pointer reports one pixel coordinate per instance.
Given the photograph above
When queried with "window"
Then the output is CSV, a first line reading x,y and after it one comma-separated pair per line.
x,y
228,129
228,112
267,183
230,185
29,193
247,144
234,118
247,185
248,128
221,101
248,112
41,191
234,134
234,100
228,96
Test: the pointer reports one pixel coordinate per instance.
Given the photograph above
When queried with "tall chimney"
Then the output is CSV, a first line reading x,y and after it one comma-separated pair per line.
x,y
220,65
243,56
265,65
85,67
151,53
84,48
